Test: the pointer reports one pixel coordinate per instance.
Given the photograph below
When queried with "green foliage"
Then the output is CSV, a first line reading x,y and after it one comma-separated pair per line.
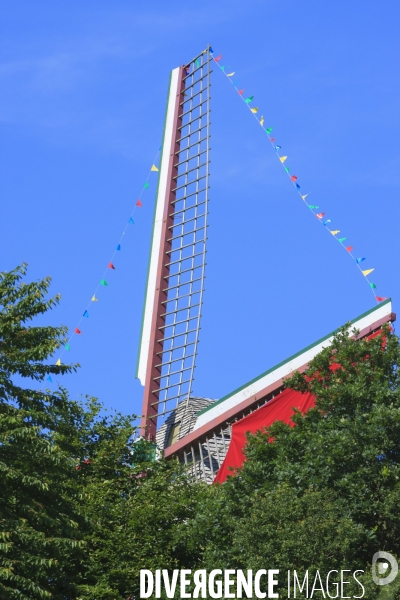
x,y
83,507
323,495
39,528
138,515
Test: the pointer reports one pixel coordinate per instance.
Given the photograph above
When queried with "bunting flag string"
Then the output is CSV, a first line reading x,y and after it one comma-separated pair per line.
x,y
293,178
110,267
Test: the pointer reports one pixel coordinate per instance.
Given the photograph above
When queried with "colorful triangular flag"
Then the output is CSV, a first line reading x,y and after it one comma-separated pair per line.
x,y
262,121
67,347
138,203
94,299
86,314
154,168
349,248
103,282
320,215
380,299
249,99
335,232
297,185
327,221
367,272
269,130
293,177
131,221
50,379
254,110
58,363
342,239
359,260
373,286
277,147
305,196
240,92
218,58
110,266
77,331
118,247
146,185
282,158
230,74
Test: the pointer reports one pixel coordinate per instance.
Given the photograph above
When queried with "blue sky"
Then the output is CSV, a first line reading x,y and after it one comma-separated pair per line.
x,y
82,104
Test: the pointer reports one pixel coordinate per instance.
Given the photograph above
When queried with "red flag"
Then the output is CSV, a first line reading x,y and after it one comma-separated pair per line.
x,y
320,215
240,92
272,139
138,203
349,248
380,299
111,266
218,58
78,331
293,178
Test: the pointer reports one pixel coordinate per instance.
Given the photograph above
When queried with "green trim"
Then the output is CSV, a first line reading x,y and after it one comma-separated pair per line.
x,y
371,310
152,232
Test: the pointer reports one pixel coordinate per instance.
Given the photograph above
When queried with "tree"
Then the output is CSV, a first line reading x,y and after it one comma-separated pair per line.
x,y
82,506
136,507
39,526
324,493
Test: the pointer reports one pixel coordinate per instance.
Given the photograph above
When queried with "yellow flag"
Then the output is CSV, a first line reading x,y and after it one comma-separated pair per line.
x,y
367,272
154,168
262,121
282,158
305,196
58,363
230,74
94,299
335,231
254,110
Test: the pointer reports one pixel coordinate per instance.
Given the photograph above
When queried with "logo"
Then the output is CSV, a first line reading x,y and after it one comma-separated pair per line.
x,y
382,568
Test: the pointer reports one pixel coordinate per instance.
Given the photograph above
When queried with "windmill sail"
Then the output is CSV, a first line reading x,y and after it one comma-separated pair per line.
x,y
175,283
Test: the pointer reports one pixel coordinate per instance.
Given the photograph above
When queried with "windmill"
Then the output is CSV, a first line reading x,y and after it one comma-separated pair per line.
x,y
196,430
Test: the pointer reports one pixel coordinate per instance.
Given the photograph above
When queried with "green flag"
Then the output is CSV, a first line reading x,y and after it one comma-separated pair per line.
x,y
269,130
67,347
248,100
103,282
342,239
146,185
373,286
